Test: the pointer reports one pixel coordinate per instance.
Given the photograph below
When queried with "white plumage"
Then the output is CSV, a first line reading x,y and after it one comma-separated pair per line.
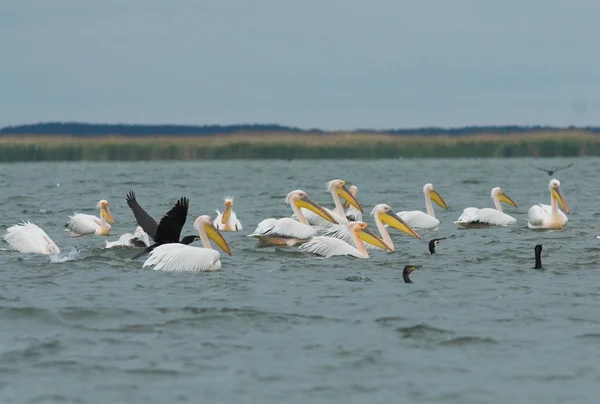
x,y
285,227
82,225
326,246
474,217
337,188
421,220
485,216
288,231
549,216
353,214
231,222
139,238
177,257
27,237
383,216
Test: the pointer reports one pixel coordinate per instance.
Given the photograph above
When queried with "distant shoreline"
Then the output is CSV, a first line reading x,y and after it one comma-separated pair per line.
x,y
86,130
293,145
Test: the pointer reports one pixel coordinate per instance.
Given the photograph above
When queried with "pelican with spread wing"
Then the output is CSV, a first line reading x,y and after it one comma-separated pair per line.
x,y
338,189
549,216
84,225
29,238
384,216
227,221
474,217
326,246
177,257
420,220
288,231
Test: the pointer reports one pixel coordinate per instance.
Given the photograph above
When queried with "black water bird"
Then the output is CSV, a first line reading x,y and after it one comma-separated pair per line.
x,y
433,243
538,256
169,228
143,219
407,270
551,171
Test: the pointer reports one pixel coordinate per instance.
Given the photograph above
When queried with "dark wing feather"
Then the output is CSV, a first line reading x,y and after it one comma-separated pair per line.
x,y
141,216
562,168
169,228
539,168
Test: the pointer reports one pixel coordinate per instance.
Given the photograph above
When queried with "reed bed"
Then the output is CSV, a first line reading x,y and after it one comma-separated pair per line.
x,y
295,146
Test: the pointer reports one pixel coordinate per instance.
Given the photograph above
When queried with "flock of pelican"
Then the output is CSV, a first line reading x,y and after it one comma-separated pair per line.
x,y
314,229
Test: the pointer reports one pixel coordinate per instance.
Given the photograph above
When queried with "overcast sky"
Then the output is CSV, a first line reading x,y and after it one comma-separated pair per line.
x,y
333,64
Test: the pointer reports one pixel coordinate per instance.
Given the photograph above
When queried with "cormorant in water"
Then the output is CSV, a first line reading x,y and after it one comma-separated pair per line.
x,y
433,243
169,228
407,270
551,170
538,256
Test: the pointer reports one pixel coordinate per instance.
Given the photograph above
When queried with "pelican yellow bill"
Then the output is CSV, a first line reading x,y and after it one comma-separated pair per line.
x,y
217,237
350,199
437,198
226,214
107,214
368,236
502,197
391,219
557,194
306,203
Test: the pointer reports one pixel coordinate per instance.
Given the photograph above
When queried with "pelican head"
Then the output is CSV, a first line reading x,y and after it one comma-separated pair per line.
x,y
300,199
498,193
366,235
105,211
434,196
387,216
205,227
228,208
353,191
554,187
339,187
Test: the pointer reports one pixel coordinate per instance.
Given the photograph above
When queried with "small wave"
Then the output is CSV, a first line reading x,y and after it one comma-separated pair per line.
x,y
71,256
462,341
593,335
357,278
35,350
420,331
389,321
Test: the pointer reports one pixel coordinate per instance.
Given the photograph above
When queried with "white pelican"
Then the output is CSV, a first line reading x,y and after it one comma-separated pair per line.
x,y
227,221
83,225
27,237
179,257
383,215
287,231
352,214
337,188
473,217
549,216
325,246
139,238
420,220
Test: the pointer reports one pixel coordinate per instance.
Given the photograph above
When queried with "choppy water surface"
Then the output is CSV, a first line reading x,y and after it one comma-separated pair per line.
x,y
479,325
